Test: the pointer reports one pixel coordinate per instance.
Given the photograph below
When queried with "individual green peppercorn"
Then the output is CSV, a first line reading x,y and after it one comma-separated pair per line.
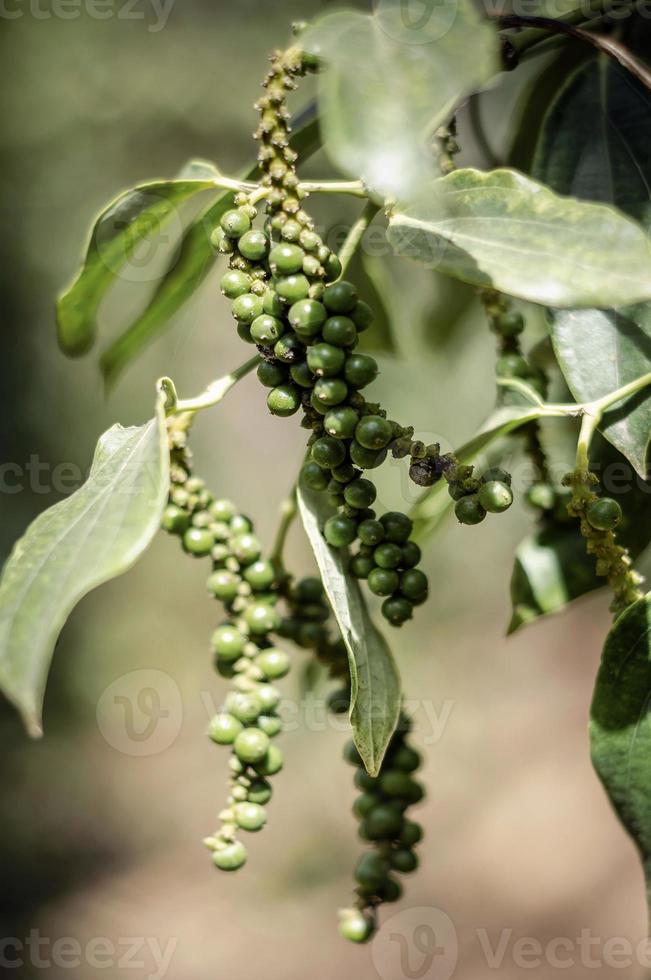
x,y
286,258
318,405
235,222
270,374
371,870
269,696
244,333
364,804
271,763
361,566
272,303
239,524
291,230
313,477
373,432
340,297
328,452
270,725
339,531
223,585
362,315
231,857
330,391
325,360
356,926
384,821
198,541
261,618
387,555
234,283
365,782
284,400
495,496
340,422
511,366
289,349
251,745
260,575
222,510
345,473
250,816
541,495
307,317
510,323
247,307
411,833
266,330
301,374
360,493
411,554
366,459
604,514
397,526
383,581
228,642
245,707
371,532
340,331
397,610
395,782
309,240
224,728
292,288
246,548
391,890
175,519
253,245
360,370
468,510
404,860
413,584
496,473
259,791
332,267
273,663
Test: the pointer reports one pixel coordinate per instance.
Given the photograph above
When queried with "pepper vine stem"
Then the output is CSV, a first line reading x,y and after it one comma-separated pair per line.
x,y
288,512
213,394
258,191
356,233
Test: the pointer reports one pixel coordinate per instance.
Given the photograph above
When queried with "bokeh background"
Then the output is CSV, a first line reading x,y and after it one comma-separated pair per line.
x,y
100,842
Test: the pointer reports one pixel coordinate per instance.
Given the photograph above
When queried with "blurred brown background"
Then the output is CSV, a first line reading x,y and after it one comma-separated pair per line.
x,y
99,842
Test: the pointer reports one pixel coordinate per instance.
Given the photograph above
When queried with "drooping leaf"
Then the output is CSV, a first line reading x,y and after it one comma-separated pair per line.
x,y
596,143
189,268
620,724
392,79
90,537
133,218
375,682
503,230
600,351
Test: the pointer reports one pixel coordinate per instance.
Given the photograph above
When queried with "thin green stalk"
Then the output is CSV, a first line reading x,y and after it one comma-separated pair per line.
x,y
215,391
356,234
288,512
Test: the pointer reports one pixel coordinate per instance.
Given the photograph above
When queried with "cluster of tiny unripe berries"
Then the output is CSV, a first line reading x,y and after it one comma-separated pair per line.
x,y
244,652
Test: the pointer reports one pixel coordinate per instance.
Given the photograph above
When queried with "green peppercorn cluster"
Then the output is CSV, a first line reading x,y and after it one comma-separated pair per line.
x,y
381,810
288,299
243,649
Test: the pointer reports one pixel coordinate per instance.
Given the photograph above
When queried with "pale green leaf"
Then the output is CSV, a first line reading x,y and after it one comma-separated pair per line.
x,y
392,79
136,216
90,537
620,724
504,230
375,682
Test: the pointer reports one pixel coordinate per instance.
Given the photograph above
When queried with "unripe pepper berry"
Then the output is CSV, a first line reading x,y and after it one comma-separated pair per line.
x,y
330,391
253,245
360,370
228,642
247,307
270,374
271,763
224,729
397,526
223,585
604,514
495,496
292,288
284,400
361,566
260,575
373,432
231,857
397,610
251,745
286,258
339,531
235,223
413,584
356,926
261,618
266,329
340,331
367,459
340,297
176,520
313,477
250,816
198,541
325,360
362,315
341,421
307,317
273,663
371,532
301,374
328,452
468,510
383,581
235,283
360,493
289,349
387,555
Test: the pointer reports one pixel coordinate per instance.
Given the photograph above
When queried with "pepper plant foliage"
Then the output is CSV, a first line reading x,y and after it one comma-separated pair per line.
x,y
567,230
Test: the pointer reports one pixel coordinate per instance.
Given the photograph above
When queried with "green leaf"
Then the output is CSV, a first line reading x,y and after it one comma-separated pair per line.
x,y
503,230
620,724
596,142
188,269
551,569
599,351
391,80
90,537
373,282
375,682
135,216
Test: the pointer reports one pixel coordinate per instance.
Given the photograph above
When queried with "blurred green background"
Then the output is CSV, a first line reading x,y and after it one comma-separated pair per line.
x,y
100,842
